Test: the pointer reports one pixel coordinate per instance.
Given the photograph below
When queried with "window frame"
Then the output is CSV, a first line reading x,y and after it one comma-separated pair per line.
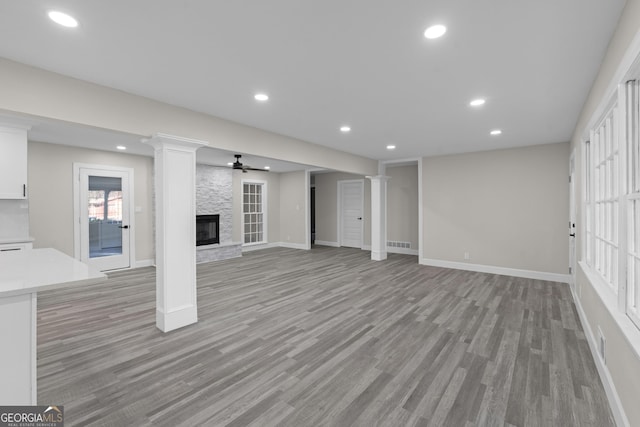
x,y
602,199
633,257
631,182
610,170
263,207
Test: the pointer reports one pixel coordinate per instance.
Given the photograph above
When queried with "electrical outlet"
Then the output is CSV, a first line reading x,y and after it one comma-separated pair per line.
x,y
602,346
467,257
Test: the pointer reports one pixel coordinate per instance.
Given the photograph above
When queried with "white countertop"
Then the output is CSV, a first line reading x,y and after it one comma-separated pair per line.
x,y
35,270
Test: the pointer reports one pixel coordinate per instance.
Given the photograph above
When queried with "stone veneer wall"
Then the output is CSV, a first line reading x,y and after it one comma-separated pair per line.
x,y
214,195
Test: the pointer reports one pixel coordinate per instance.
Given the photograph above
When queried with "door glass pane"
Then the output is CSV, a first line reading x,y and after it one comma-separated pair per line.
x,y
105,216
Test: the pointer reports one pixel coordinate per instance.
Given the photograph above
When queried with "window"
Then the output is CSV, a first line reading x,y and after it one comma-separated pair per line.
x,y
612,200
98,199
632,201
588,203
253,211
603,200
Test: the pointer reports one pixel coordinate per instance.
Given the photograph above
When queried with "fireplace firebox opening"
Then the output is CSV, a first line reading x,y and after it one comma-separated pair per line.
x,y
207,229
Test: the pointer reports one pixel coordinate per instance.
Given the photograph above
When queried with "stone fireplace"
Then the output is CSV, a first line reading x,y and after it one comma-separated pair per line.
x,y
214,198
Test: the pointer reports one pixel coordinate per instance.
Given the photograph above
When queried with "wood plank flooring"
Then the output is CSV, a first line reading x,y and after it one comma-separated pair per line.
x,y
325,337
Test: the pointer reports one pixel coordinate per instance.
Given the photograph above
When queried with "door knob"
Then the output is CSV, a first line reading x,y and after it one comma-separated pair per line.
x,y
360,218
123,226
572,235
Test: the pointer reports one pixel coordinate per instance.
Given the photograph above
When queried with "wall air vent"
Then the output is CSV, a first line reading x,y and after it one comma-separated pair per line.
x,y
394,244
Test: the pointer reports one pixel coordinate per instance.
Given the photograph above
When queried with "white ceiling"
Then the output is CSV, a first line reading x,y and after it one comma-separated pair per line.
x,y
327,63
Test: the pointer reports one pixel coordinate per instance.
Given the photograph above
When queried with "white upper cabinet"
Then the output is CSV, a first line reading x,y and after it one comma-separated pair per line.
x,y
13,163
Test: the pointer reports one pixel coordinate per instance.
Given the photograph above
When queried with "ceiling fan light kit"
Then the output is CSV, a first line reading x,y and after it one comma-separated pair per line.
x,y
237,165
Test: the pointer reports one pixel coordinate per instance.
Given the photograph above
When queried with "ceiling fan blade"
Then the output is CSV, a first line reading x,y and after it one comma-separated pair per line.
x,y
237,165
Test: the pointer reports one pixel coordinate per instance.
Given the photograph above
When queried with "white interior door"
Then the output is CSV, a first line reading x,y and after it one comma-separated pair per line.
x,y
572,219
351,201
103,212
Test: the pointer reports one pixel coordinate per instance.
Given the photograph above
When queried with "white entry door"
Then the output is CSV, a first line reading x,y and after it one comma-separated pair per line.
x,y
351,201
103,213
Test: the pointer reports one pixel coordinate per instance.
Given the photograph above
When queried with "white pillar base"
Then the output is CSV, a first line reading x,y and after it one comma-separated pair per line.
x,y
378,255
176,318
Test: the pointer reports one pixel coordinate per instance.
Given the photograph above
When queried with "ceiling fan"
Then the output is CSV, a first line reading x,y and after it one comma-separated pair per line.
x,y
237,165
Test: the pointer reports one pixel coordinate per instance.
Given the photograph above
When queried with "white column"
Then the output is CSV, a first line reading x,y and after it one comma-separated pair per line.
x,y
378,217
175,193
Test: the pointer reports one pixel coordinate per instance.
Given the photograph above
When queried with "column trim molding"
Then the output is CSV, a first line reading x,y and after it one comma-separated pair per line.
x,y
378,217
175,209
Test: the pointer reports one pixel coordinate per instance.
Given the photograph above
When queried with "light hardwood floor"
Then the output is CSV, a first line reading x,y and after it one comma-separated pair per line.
x,y
321,337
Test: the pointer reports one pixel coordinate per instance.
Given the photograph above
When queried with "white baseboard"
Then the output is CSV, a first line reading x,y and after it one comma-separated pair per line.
x,y
290,245
259,247
145,263
404,251
607,382
527,274
390,250
177,318
324,243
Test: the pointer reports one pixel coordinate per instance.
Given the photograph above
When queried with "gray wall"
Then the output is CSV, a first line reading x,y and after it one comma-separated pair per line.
x,y
51,194
402,204
507,208
293,213
623,362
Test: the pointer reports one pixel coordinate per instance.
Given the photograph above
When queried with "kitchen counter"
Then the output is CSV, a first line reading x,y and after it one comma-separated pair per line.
x,y
22,274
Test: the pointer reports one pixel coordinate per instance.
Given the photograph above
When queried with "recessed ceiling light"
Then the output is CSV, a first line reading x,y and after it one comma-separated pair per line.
x,y
435,31
345,129
261,97
230,164
391,147
63,19
496,132
477,102
267,167
121,147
